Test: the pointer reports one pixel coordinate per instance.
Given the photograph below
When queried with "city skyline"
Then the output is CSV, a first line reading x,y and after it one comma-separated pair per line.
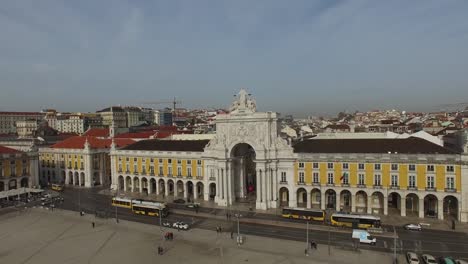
x,y
309,58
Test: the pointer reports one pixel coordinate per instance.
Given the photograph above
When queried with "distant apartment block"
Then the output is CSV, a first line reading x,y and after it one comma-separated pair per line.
x,y
8,120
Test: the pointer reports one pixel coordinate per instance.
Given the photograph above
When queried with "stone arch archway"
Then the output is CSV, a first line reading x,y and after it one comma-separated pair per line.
x,y
315,198
330,199
284,196
412,204
212,191
170,187
136,184
345,201
12,184
377,203
96,179
451,207
162,187
152,186
243,171
394,203
190,190
2,186
77,179
121,183
199,190
24,182
128,182
301,197
361,202
180,189
430,206
144,185
70,177
63,178
82,179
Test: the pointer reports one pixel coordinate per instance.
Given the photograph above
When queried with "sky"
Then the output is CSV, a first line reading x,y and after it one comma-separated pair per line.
x,y
296,57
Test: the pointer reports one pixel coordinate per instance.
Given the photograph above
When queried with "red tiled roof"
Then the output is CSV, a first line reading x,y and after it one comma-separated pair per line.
x,y
20,113
94,142
145,134
97,132
5,150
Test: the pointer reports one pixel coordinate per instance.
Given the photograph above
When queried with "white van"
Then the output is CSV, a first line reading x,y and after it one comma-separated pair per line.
x,y
364,237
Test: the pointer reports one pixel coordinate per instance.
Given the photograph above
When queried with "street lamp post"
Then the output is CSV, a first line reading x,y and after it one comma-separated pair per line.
x,y
307,239
394,245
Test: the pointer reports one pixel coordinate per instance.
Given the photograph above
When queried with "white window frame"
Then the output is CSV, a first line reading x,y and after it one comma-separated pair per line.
x,y
301,165
345,178
394,180
394,167
316,177
377,180
363,166
415,181
447,181
283,176
301,177
377,166
330,165
411,167
361,176
161,170
430,167
331,176
199,171
345,166
189,172
451,167
179,171
169,170
430,184
315,165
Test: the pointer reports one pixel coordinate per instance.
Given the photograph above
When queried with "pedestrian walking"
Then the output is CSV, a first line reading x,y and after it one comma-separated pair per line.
x,y
227,216
232,234
93,224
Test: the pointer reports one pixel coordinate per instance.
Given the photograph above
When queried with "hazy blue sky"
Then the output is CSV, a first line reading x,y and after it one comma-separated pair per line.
x,y
293,56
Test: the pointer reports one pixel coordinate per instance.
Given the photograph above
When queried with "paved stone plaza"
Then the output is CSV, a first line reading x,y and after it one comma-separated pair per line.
x,y
41,236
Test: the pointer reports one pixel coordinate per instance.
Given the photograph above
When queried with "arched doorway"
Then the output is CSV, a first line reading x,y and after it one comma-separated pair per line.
x,y
243,172
412,205
121,183
394,203
430,206
54,179
144,184
377,200
12,185
284,196
152,186
162,188
70,177
345,201
82,179
63,178
190,190
180,189
2,186
450,207
330,198
96,179
315,197
24,182
200,190
301,197
128,181
77,178
361,202
170,187
136,184
212,191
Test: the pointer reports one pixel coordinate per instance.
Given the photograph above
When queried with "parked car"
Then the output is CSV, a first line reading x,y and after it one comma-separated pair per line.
x,y
446,260
416,227
429,259
166,224
193,205
180,201
180,225
459,261
412,258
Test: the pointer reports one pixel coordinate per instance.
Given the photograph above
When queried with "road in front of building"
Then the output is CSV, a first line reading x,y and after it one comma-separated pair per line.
x,y
434,242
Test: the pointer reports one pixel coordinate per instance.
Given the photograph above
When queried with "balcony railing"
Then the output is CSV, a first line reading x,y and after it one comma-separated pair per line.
x,y
81,168
450,190
394,187
135,173
199,177
361,186
283,182
127,172
161,175
412,188
189,177
212,179
300,183
330,184
170,175
431,189
345,184
152,173
377,186
316,184
179,175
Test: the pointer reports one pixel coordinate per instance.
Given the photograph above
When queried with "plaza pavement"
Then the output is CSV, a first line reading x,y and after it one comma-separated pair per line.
x,y
39,236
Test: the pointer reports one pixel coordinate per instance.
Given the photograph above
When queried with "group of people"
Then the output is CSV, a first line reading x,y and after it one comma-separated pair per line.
x,y
160,250
169,236
219,229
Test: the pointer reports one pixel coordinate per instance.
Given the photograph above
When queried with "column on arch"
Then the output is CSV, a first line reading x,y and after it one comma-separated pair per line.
x,y
322,200
258,191
369,204
421,208
385,205
353,203
440,209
